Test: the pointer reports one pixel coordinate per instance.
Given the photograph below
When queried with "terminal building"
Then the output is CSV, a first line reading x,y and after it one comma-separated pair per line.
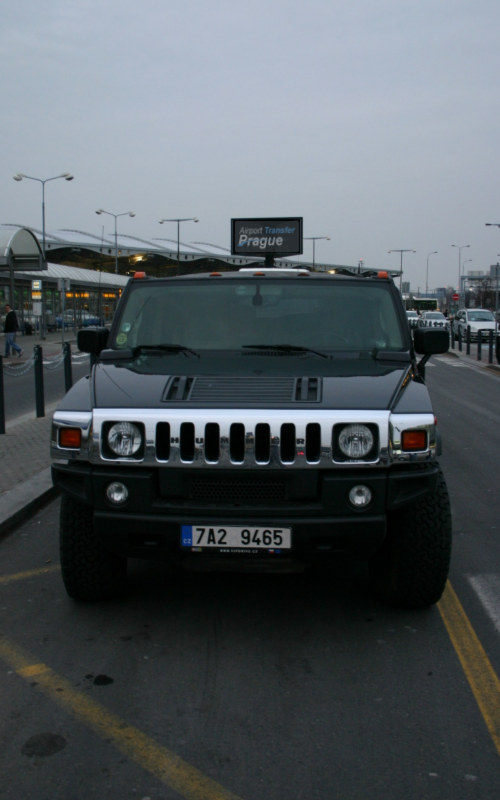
x,y
84,274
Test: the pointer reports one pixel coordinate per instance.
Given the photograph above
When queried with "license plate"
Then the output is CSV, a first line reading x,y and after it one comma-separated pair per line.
x,y
233,537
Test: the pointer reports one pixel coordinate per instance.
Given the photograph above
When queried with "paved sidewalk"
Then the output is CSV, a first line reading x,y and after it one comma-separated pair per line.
x,y
25,480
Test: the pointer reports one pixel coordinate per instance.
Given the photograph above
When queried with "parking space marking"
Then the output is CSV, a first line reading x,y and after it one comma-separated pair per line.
x,y
487,588
452,362
476,665
165,765
29,573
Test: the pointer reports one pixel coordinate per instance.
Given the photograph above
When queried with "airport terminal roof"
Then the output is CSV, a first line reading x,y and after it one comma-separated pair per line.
x,y
159,255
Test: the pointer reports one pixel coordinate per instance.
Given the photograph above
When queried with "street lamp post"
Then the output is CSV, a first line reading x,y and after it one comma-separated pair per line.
x,y
123,214
427,272
67,176
460,247
497,268
314,239
462,283
495,225
178,220
401,265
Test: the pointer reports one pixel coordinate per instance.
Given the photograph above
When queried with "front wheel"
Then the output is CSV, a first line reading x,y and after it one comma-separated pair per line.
x,y
89,571
411,569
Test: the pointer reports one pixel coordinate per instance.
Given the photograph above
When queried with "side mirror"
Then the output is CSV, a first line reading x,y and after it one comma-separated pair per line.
x,y
92,340
430,341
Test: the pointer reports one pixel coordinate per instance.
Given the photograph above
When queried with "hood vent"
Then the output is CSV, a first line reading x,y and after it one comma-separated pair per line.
x,y
208,389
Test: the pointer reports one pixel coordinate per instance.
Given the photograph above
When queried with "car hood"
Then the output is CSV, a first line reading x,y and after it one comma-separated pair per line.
x,y
484,325
381,387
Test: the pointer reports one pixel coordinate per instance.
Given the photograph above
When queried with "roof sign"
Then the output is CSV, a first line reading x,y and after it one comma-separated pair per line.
x,y
270,236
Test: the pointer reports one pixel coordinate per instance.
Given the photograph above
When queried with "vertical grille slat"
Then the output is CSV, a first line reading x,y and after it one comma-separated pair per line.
x,y
212,442
163,441
313,442
262,443
187,441
237,442
287,443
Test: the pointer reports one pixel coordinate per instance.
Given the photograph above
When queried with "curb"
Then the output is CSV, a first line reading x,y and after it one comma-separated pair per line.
x,y
19,503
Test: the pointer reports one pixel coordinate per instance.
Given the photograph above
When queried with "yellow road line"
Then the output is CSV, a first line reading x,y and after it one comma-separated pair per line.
x,y
475,663
29,573
165,765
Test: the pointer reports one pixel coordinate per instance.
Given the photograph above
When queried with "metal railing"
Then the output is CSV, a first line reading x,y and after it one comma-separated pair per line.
x,y
490,341
38,363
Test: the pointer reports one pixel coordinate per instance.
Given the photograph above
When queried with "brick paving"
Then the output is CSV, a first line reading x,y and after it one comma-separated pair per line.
x,y
25,445
24,451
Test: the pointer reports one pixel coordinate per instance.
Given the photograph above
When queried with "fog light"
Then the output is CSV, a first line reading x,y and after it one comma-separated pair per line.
x,y
116,492
360,496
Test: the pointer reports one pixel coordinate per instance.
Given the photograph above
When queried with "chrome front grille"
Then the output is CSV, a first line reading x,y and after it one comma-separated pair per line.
x,y
239,443
221,438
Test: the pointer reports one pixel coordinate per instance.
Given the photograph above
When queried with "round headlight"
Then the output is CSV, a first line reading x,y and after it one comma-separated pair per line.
x,y
124,438
355,441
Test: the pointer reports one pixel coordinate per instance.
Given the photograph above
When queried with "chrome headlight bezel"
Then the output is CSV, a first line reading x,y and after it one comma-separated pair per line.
x,y
355,442
123,439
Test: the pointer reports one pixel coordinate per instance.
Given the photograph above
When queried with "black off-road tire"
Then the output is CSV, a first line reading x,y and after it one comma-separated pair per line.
x,y
411,569
89,571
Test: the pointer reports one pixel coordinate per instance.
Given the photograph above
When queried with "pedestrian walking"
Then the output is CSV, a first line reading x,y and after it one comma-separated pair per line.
x,y
11,327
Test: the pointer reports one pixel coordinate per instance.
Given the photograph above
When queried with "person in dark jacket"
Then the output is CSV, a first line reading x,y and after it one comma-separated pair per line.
x,y
11,327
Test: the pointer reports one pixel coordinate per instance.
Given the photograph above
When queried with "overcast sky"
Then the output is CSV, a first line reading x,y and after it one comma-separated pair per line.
x,y
377,121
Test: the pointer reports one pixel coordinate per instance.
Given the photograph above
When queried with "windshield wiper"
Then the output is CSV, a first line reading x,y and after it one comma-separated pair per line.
x,y
285,348
165,348
390,355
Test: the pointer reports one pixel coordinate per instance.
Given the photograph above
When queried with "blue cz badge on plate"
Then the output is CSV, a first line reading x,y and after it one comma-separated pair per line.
x,y
186,535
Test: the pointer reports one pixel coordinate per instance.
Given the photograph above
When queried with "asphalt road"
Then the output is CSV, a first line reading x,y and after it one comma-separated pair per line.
x,y
264,687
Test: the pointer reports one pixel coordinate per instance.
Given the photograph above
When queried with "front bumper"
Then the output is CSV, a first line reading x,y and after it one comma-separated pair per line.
x,y
314,504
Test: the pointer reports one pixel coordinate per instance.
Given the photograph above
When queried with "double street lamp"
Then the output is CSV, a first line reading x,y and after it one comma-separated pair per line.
x,y
67,176
19,177
495,225
314,239
427,272
178,220
401,265
460,247
123,214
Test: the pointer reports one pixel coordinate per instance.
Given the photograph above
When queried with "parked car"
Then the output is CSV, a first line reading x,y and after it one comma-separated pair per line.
x,y
91,320
68,321
475,319
248,453
412,318
433,319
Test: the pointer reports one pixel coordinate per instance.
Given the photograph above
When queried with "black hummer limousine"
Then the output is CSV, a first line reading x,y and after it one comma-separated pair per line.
x,y
262,419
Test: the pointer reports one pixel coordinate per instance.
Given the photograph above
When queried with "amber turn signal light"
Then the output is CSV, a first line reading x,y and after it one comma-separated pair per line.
x,y
414,440
70,437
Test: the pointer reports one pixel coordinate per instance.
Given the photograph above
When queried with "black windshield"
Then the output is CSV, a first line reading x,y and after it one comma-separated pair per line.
x,y
229,314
